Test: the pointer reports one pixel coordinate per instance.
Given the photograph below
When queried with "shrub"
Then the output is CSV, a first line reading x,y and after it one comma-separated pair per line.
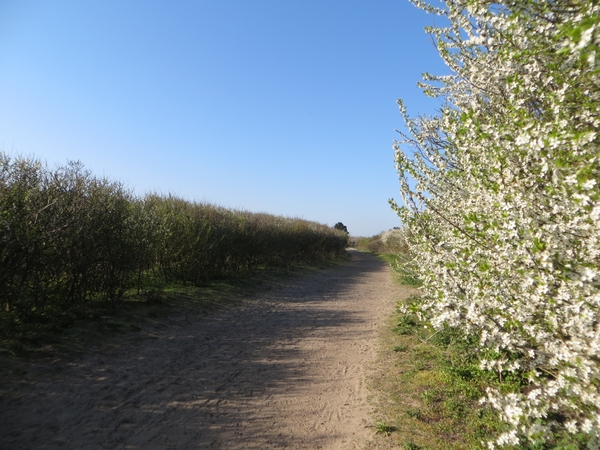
x,y
501,196
69,239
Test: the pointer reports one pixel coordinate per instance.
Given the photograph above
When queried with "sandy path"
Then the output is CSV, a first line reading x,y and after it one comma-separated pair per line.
x,y
286,370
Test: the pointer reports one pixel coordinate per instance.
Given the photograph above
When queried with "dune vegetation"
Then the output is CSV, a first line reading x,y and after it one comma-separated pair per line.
x,y
71,242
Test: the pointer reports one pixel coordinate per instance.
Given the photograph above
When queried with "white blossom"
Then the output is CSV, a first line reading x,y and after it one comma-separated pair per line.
x,y
501,198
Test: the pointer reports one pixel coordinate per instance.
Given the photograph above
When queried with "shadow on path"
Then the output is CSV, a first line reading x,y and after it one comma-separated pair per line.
x,y
249,377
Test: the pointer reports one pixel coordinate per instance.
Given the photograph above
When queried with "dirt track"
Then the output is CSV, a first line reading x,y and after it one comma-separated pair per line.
x,y
286,370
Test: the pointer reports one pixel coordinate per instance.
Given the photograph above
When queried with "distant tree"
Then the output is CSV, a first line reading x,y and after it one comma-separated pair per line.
x,y
341,226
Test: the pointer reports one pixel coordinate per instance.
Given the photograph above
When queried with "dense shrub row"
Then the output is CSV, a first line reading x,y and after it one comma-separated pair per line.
x,y
68,238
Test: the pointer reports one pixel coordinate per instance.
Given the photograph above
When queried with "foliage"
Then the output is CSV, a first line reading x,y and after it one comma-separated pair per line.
x,y
501,196
69,240
340,226
384,428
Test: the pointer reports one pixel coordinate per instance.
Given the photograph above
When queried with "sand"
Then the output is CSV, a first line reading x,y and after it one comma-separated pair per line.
x,y
287,369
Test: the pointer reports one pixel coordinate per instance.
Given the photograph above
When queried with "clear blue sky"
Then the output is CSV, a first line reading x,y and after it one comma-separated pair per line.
x,y
279,106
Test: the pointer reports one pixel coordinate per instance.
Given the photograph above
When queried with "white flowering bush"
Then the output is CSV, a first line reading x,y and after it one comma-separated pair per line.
x,y
501,195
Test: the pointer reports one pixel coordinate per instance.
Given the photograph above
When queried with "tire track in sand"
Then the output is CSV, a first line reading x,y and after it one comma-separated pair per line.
x,y
286,370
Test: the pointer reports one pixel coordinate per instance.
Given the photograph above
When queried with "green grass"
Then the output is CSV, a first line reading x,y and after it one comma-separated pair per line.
x,y
384,428
429,388
410,445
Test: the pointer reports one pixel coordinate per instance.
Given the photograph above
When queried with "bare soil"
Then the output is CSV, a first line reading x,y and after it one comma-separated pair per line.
x,y
287,369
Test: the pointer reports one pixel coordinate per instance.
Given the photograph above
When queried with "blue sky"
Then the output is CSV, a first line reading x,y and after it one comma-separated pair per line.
x,y
280,106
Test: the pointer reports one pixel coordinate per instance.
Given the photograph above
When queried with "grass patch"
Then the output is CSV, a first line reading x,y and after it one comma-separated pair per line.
x,y
384,428
428,387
